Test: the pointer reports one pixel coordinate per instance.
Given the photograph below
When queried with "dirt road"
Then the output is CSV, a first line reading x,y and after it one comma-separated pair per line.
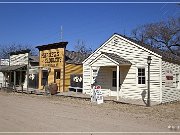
x,y
32,113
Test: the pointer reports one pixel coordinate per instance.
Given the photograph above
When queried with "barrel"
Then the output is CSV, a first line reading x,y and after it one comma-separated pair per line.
x,y
53,88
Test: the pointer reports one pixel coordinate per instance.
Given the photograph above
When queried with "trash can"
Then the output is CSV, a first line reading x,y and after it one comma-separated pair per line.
x,y
53,88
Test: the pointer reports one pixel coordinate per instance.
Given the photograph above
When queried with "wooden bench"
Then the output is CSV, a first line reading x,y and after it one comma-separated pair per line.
x,y
76,88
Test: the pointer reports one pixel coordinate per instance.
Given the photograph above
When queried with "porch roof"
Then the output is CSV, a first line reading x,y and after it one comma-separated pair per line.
x,y
12,68
114,58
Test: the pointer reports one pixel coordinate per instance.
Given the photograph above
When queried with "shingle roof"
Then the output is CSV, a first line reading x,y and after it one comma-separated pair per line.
x,y
166,56
117,58
52,46
34,59
75,57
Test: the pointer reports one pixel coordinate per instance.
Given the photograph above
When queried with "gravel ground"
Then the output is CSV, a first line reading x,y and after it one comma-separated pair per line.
x,y
111,116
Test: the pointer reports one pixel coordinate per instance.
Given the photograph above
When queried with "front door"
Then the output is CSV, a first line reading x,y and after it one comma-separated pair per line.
x,y
44,77
57,77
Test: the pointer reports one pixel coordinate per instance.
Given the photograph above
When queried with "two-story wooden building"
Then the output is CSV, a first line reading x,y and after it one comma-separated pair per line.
x,y
57,65
120,67
21,70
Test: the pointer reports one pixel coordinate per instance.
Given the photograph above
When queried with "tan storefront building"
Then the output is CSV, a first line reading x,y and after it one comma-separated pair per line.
x,y
57,65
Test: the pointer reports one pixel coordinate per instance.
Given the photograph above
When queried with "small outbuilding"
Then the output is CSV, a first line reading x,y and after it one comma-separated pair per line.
x,y
120,67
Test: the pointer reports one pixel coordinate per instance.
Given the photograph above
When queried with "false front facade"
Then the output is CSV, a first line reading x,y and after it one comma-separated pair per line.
x,y
59,66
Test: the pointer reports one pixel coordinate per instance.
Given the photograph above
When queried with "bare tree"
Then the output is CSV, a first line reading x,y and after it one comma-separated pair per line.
x,y
82,48
164,35
6,49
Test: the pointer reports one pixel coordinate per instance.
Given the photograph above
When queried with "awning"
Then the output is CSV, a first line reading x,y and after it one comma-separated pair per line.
x,y
13,68
109,59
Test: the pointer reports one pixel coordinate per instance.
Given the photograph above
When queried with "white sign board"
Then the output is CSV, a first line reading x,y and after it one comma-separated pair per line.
x,y
99,97
169,77
19,59
96,96
5,62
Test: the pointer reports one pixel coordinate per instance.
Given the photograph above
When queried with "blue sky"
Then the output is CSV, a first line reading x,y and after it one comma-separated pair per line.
x,y
39,24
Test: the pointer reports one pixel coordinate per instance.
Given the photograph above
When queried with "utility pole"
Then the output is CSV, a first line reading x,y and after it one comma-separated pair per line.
x,y
61,33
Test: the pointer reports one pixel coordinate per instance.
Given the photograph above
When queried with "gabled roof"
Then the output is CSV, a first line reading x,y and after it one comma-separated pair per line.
x,y
169,57
20,52
117,58
166,56
72,57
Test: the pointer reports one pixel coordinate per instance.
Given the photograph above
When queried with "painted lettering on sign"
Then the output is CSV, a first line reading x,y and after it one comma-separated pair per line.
x,y
51,58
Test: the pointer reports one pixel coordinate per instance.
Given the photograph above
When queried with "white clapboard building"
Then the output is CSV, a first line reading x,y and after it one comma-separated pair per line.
x,y
21,70
129,58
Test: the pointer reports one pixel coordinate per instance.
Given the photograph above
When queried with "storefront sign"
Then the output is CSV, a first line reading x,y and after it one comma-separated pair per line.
x,y
4,61
76,80
169,77
51,59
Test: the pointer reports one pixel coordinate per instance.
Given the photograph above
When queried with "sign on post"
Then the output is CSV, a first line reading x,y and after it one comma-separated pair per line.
x,y
96,95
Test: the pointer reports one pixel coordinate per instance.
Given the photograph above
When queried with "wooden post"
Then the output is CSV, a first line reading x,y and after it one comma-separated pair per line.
x,y
14,81
117,78
21,81
28,75
4,79
9,78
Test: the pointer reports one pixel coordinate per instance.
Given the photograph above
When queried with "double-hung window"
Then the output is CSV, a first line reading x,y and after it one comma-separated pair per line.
x,y
141,76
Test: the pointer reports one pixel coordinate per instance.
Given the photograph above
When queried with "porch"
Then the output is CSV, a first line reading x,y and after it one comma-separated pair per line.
x,y
109,71
14,76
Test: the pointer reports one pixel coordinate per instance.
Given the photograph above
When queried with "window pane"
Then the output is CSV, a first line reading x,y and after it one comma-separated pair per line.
x,y
143,80
139,74
139,80
143,70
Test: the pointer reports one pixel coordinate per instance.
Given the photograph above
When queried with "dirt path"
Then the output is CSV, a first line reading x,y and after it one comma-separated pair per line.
x,y
31,113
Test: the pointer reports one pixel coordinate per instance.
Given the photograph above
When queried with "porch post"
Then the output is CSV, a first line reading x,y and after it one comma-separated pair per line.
x,y
3,84
117,78
14,80
27,73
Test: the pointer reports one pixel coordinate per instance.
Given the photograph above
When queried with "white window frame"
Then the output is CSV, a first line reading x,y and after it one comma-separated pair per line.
x,y
143,85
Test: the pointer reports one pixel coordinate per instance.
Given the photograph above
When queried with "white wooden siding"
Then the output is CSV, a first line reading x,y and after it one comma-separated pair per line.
x,y
170,93
137,56
103,61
